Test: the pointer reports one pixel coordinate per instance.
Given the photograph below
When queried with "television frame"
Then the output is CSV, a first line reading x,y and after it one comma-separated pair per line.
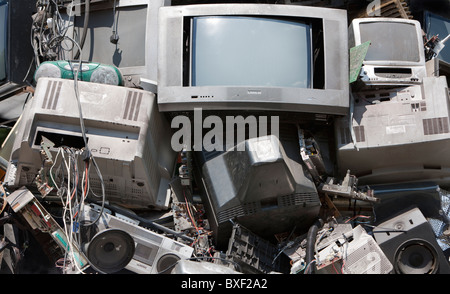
x,y
391,78
173,95
144,75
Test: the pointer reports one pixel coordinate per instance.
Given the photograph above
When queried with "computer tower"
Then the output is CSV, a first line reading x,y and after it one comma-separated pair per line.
x,y
409,243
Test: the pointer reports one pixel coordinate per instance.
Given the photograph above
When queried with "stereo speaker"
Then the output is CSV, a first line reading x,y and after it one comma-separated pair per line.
x,y
409,243
110,250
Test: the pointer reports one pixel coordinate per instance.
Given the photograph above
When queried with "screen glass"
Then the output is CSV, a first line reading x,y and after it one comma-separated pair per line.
x,y
393,44
250,51
436,25
3,39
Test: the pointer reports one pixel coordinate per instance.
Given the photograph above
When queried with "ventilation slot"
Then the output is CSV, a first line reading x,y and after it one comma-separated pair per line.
x,y
302,199
359,133
345,137
238,211
132,106
423,106
416,107
52,95
434,126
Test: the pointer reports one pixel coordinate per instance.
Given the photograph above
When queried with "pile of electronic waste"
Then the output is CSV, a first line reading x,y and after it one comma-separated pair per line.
x,y
341,229
91,183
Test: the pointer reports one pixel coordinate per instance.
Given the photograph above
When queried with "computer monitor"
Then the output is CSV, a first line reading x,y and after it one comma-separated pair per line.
x,y
126,134
263,57
396,53
16,53
397,135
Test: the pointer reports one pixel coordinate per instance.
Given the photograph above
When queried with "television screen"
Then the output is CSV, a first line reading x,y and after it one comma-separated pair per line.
x,y
393,44
250,51
3,39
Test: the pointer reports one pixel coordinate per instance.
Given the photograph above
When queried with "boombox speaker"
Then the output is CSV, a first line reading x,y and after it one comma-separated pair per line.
x,y
110,250
410,245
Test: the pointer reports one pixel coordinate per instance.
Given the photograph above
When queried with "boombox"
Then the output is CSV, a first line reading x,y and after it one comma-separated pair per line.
x,y
116,242
409,242
88,71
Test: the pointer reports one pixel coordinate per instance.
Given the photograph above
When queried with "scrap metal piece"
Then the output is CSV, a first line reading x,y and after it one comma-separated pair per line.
x,y
46,144
41,179
309,150
347,189
24,202
360,255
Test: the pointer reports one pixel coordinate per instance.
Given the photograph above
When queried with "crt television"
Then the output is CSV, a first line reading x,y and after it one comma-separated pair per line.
x,y
399,135
236,186
120,33
126,134
16,53
253,56
396,53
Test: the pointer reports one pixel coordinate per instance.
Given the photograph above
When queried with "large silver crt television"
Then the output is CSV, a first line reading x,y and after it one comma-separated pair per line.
x,y
396,53
253,57
127,135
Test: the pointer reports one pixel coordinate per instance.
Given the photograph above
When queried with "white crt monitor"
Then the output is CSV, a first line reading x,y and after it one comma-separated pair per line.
x,y
127,135
396,53
253,57
397,135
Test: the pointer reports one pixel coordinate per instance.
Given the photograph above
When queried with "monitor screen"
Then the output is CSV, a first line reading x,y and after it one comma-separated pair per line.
x,y
3,39
399,44
250,51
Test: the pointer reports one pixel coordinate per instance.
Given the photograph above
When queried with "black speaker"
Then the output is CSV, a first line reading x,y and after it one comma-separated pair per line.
x,y
166,263
110,250
408,241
